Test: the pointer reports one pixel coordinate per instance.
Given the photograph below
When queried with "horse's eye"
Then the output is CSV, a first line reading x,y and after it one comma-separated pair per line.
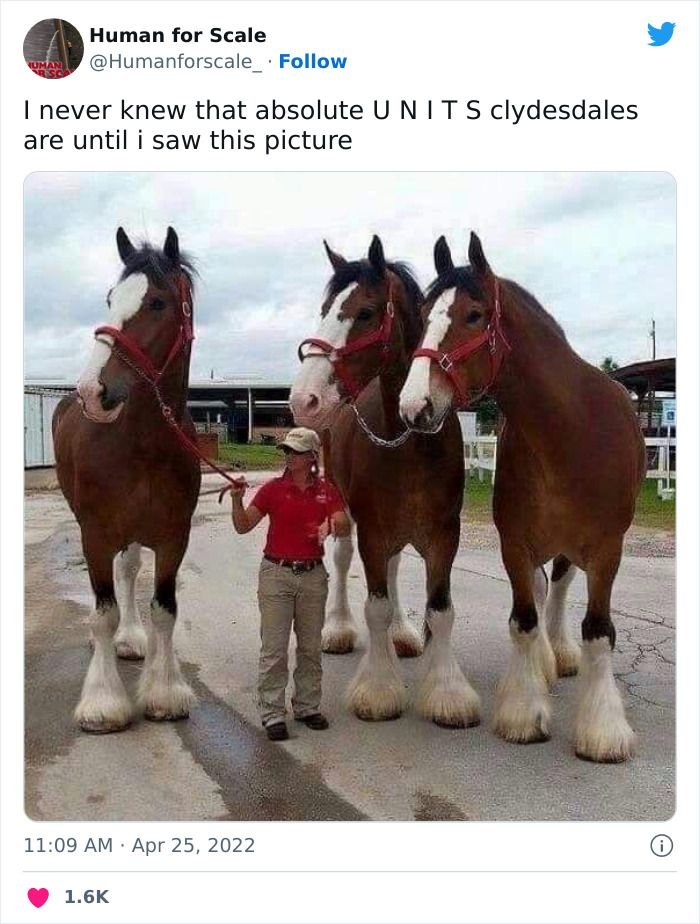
x,y
365,314
158,304
473,317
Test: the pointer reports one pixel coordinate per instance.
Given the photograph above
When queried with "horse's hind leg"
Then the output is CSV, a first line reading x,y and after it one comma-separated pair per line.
x,y
377,691
565,647
130,639
406,639
444,693
523,708
104,703
602,731
163,692
339,632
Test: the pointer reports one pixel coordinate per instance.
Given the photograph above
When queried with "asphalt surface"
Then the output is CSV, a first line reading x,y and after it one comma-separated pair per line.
x,y
219,765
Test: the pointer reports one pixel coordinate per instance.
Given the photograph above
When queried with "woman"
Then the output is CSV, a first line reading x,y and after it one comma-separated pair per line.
x,y
304,510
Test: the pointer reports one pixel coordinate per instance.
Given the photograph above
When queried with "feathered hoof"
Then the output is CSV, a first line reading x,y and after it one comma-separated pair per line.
x,y
374,701
338,639
104,718
407,642
612,745
167,704
523,723
449,705
568,658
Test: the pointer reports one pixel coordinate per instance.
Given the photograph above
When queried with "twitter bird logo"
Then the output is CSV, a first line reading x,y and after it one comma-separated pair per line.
x,y
662,35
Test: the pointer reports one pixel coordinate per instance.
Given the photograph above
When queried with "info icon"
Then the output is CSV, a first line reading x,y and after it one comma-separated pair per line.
x,y
661,845
53,48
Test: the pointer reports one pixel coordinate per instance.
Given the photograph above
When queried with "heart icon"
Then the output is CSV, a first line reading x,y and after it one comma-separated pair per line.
x,y
38,897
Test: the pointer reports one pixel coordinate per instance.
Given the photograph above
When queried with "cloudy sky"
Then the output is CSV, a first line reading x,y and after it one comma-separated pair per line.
x,y
596,249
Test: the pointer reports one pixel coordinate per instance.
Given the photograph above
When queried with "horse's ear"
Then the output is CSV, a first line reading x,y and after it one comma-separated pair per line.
x,y
375,255
335,259
171,248
442,256
476,256
124,245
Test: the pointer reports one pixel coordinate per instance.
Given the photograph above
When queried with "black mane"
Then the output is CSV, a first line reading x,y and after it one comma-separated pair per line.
x,y
156,266
464,278
362,271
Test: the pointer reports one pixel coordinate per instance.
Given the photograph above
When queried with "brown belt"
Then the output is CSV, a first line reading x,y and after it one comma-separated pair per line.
x,y
298,567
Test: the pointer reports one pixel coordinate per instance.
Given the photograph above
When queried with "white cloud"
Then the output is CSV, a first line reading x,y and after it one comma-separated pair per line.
x,y
597,249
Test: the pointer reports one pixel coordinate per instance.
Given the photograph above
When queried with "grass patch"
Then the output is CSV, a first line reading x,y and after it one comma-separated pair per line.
x,y
251,457
651,512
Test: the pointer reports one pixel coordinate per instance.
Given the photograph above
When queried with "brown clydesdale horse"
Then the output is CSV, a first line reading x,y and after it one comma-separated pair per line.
x,y
130,482
571,460
409,494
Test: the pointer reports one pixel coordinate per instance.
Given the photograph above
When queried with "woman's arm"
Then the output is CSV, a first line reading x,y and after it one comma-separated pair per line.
x,y
244,519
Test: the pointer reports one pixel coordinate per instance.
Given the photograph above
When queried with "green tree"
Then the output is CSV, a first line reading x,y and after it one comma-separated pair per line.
x,y
609,365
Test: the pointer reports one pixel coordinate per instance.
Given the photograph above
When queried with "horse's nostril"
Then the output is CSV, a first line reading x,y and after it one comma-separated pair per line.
x,y
312,402
111,397
428,408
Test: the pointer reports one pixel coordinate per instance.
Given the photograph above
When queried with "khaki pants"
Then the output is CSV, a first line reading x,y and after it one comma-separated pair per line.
x,y
287,599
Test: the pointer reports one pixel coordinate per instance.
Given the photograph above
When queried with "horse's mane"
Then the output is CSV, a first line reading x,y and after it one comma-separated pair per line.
x,y
362,271
464,277
156,265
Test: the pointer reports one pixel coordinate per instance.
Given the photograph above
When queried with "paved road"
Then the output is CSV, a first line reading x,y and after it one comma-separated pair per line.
x,y
219,765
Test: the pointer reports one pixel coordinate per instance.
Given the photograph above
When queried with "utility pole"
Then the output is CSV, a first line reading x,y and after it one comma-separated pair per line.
x,y
652,391
652,334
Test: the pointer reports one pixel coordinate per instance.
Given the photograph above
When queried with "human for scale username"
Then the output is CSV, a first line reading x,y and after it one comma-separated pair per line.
x,y
304,510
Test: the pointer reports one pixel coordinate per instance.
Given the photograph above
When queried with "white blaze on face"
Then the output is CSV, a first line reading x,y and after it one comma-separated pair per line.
x,y
314,396
125,300
416,389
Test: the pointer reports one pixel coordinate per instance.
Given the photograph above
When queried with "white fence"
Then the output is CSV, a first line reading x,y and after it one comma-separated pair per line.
x,y
481,452
38,444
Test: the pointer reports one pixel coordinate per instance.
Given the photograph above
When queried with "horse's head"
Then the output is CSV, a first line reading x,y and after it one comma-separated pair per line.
x,y
366,325
463,343
148,325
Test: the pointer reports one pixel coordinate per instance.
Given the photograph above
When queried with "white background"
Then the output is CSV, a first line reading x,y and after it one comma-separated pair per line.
x,y
560,52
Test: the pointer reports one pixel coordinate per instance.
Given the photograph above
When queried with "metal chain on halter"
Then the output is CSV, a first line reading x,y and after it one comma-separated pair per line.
x,y
378,440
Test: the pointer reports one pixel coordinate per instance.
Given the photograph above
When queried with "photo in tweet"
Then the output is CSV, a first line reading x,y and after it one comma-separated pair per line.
x,y
434,399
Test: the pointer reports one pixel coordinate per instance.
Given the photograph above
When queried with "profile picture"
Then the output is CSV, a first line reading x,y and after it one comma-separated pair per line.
x,y
53,48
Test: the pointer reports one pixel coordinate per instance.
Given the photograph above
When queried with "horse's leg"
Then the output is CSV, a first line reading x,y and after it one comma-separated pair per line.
x,y
406,638
522,701
130,639
339,632
444,693
377,691
104,703
602,731
565,647
163,693
540,592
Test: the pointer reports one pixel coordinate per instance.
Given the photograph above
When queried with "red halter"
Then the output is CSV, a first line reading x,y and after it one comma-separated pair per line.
x,y
185,335
336,355
144,366
492,337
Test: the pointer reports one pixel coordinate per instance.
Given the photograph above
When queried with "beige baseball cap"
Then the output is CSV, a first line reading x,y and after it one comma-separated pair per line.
x,y
301,439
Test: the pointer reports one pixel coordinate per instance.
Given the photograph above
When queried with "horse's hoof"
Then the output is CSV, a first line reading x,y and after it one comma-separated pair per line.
x,y
377,704
157,716
568,660
531,727
341,642
95,727
460,723
613,748
373,717
407,648
127,653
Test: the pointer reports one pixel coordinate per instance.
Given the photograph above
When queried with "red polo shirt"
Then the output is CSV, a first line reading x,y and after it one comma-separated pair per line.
x,y
295,515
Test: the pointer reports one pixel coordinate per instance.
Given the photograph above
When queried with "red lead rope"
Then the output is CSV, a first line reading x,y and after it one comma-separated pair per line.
x,y
133,356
